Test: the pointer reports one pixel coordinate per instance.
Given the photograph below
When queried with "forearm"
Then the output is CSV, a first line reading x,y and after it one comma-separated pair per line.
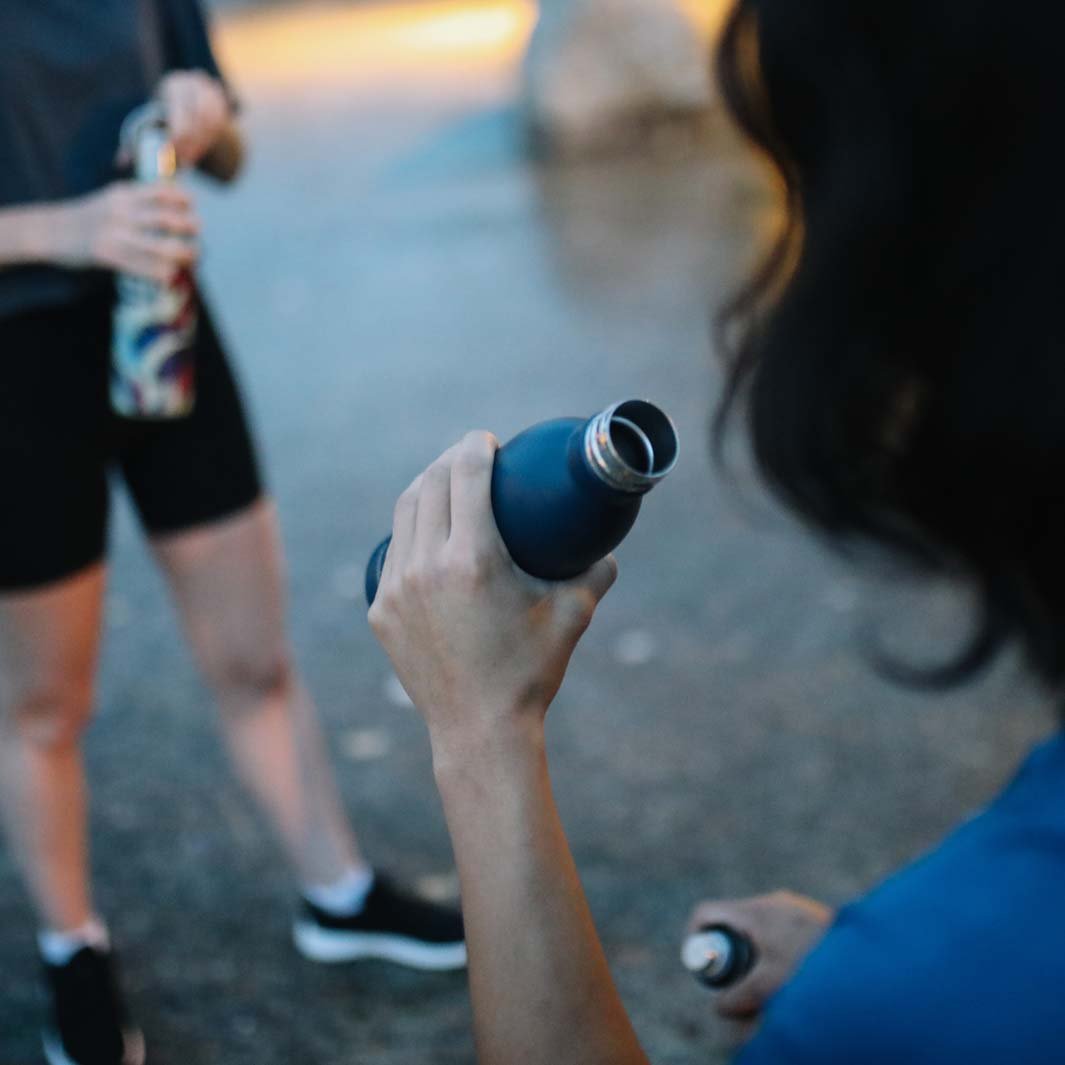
x,y
28,234
542,991
225,160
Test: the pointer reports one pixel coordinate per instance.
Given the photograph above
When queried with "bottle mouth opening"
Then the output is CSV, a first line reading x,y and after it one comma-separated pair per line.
x,y
632,445
705,953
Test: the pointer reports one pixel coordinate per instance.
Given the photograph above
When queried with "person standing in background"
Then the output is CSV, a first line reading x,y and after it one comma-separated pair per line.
x,y
69,74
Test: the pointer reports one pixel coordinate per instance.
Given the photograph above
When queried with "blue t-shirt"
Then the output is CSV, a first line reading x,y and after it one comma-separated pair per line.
x,y
957,960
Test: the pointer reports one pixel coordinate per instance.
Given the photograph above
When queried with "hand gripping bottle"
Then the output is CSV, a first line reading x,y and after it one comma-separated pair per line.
x,y
718,956
566,492
154,329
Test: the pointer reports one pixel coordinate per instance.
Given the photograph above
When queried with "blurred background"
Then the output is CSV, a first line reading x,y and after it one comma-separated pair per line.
x,y
450,222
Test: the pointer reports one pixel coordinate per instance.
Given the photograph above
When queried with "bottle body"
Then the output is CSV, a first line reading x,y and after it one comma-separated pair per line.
x,y
154,325
556,519
566,492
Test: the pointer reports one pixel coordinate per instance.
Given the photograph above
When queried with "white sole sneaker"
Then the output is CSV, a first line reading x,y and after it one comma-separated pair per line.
x,y
134,1053
334,947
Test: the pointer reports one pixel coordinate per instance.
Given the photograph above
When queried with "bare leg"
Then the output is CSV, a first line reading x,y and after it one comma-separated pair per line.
x,y
48,648
227,581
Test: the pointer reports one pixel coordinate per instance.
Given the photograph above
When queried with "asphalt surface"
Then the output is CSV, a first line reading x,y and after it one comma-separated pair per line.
x,y
393,271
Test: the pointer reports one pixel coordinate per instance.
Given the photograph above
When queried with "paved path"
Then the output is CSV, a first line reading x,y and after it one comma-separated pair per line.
x,y
390,274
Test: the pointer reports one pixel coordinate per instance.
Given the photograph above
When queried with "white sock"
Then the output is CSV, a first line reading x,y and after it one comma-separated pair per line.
x,y
346,896
57,948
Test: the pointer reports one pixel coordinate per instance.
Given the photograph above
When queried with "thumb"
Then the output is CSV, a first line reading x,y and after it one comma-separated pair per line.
x,y
599,579
576,600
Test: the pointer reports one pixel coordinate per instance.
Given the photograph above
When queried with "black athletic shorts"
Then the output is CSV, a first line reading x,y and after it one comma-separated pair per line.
x,y
60,442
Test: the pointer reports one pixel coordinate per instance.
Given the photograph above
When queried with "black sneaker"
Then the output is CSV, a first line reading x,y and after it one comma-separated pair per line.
x,y
90,1025
393,926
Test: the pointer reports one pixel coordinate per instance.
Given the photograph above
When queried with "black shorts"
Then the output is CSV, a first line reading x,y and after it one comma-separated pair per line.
x,y
60,441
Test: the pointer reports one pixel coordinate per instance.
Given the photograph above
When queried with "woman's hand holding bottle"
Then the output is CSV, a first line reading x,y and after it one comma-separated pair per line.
x,y
478,646
782,928
198,113
146,230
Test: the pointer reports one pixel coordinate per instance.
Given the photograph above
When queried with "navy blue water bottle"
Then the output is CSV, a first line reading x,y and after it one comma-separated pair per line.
x,y
566,492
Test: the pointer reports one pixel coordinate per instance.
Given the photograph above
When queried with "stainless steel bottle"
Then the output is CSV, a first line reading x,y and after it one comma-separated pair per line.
x,y
566,492
154,328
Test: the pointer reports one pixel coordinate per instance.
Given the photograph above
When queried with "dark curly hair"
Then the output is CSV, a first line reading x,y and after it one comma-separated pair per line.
x,y
900,356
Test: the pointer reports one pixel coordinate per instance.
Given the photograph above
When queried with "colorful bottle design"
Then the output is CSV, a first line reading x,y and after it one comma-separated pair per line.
x,y
153,365
566,492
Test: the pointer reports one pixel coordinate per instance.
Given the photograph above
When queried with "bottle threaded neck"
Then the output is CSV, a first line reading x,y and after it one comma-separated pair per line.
x,y
145,137
631,446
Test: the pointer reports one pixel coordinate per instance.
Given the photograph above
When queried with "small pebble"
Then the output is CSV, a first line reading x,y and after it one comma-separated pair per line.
x,y
636,647
366,745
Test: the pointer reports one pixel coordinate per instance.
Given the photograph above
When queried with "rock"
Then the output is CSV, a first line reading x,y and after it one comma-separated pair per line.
x,y
605,75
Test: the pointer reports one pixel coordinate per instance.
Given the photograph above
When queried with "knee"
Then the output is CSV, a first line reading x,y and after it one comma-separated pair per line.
x,y
246,678
51,715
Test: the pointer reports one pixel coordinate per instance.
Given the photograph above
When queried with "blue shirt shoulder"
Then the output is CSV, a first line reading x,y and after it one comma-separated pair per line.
x,y
959,958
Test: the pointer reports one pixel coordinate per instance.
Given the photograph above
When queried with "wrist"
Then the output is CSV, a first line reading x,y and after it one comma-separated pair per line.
x,y
48,233
27,233
501,746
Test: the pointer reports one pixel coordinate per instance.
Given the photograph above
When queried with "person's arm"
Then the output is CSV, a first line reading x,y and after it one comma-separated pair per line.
x,y
482,652
147,230
28,234
542,991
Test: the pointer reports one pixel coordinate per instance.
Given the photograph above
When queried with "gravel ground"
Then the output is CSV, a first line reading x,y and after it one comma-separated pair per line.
x,y
392,272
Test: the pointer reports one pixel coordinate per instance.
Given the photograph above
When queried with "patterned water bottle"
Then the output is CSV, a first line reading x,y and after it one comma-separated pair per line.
x,y
566,492
153,339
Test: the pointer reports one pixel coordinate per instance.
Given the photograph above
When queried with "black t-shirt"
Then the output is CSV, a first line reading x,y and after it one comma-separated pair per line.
x,y
70,71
